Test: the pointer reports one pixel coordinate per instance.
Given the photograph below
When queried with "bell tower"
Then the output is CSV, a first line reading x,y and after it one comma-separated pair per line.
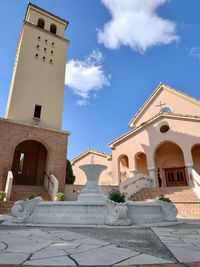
x,y
37,86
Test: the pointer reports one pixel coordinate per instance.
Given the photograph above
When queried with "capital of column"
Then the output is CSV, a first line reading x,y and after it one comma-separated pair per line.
x,y
189,165
133,171
151,169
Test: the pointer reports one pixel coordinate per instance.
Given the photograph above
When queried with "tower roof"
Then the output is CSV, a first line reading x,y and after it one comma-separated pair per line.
x,y
46,11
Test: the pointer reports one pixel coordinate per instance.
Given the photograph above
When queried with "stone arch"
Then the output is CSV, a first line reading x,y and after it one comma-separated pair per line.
x,y
141,163
29,163
195,151
170,164
41,23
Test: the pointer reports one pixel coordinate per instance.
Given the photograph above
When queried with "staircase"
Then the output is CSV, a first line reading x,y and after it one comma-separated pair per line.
x,y
175,194
184,198
20,192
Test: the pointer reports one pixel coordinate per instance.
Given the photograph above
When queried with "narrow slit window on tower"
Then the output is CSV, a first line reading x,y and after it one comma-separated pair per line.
x,y
37,111
52,44
36,55
45,49
39,38
43,58
38,46
41,23
51,52
51,61
45,40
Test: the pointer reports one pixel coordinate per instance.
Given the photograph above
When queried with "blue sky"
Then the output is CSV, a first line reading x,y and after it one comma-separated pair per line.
x,y
114,62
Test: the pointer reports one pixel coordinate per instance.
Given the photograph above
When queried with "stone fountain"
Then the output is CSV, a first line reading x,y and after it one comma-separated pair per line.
x,y
92,208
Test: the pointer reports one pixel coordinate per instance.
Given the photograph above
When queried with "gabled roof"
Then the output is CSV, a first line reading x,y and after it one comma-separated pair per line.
x,y
45,11
158,116
91,151
160,87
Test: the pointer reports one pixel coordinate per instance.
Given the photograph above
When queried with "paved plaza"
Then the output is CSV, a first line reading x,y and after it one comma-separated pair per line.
x,y
44,246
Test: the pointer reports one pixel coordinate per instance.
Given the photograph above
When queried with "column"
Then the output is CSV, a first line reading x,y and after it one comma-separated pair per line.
x,y
152,174
189,167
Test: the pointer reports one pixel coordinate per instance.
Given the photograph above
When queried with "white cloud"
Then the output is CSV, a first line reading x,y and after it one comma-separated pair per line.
x,y
87,76
136,24
194,52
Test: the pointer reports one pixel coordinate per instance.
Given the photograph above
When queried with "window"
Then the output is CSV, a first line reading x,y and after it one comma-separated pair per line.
x,y
37,111
51,52
164,128
167,110
51,61
45,40
41,23
52,44
39,38
36,55
21,163
45,49
43,58
53,28
38,46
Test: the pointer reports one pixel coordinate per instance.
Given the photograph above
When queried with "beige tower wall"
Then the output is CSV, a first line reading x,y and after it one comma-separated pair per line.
x,y
37,81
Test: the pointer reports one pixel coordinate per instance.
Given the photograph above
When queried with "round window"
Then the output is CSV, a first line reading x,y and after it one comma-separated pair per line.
x,y
164,128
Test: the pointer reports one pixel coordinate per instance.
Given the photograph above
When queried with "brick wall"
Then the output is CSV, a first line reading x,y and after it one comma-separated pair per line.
x,y
5,207
12,133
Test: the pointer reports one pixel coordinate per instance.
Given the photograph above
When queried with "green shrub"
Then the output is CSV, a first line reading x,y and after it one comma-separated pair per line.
x,y
70,178
117,196
163,198
59,196
2,195
31,196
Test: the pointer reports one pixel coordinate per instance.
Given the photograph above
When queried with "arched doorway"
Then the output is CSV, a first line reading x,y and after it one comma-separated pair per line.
x,y
141,163
29,163
170,165
196,158
123,167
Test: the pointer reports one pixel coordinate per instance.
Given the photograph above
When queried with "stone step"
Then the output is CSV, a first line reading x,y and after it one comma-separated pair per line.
x,y
174,193
22,191
184,198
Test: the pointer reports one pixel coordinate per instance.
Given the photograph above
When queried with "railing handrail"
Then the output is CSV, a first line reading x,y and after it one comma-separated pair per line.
x,y
49,178
194,178
139,179
52,184
9,183
134,179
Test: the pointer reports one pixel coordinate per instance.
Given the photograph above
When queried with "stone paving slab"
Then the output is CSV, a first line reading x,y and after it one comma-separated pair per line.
x,y
65,248
30,246
183,243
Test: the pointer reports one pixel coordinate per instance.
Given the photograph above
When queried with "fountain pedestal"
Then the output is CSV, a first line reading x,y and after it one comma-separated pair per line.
x,y
91,192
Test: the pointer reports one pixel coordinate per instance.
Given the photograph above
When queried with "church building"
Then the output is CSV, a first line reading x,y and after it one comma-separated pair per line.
x,y
161,149
33,147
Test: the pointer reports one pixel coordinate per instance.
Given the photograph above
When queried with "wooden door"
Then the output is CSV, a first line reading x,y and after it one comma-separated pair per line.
x,y
29,163
24,168
175,176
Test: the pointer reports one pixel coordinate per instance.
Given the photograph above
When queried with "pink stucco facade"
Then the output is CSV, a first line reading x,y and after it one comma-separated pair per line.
x,y
153,152
160,144
97,158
